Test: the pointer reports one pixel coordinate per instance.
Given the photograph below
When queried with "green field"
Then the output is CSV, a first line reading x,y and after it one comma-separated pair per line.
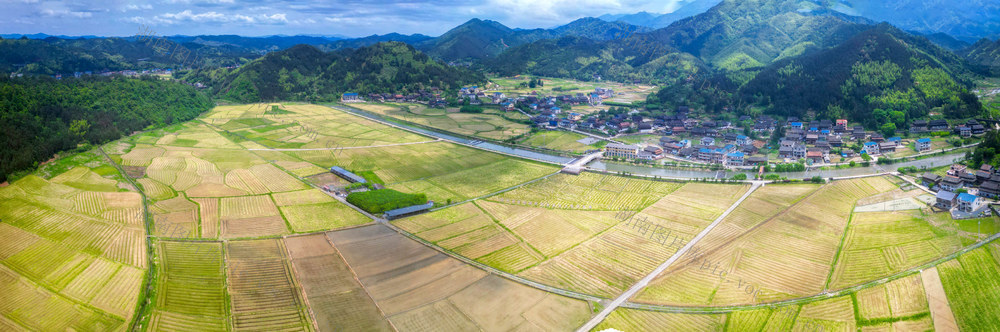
x,y
72,255
560,140
490,124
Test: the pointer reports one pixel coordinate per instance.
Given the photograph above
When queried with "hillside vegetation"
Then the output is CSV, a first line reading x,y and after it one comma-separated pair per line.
x,y
42,116
306,73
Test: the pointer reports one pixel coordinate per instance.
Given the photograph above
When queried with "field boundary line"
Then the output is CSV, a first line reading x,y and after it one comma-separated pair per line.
x,y
592,323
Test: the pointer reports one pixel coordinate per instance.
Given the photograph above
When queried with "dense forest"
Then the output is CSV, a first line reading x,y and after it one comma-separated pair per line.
x,y
306,73
42,116
984,55
879,69
53,55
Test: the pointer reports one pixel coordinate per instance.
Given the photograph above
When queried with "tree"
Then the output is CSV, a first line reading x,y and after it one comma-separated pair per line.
x,y
78,128
740,177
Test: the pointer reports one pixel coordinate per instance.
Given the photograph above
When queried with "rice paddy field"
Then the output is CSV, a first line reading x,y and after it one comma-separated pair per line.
x,y
420,289
786,242
209,182
72,254
576,242
560,140
242,239
490,124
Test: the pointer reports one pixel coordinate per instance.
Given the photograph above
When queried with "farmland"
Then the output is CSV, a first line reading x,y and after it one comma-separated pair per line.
x,y
568,241
242,240
560,140
492,123
72,255
420,289
781,252
205,183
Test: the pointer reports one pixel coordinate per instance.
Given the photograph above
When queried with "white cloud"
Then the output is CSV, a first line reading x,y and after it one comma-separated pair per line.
x,y
216,17
133,7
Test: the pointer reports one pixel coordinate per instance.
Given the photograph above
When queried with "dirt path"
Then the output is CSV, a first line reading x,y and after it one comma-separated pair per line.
x,y
941,313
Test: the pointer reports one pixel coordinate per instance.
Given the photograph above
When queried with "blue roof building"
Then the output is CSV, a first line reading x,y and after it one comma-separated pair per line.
x,y
400,212
967,197
347,175
924,140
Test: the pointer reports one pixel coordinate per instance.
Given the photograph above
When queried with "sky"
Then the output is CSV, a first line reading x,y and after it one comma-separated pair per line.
x,y
352,18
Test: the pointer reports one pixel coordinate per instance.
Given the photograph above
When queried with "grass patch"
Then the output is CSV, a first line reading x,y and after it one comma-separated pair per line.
x,y
378,201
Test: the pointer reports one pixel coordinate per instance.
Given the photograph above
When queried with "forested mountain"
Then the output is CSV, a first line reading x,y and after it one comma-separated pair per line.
x,y
583,58
968,20
985,55
304,72
65,56
268,43
480,39
731,36
374,39
40,116
882,68
687,9
749,33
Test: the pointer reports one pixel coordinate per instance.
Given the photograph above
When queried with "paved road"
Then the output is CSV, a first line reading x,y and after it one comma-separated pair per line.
x,y
645,281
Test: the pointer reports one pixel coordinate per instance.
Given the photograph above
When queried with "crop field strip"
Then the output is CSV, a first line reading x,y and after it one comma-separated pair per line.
x,y
191,290
420,289
882,243
782,264
262,288
335,297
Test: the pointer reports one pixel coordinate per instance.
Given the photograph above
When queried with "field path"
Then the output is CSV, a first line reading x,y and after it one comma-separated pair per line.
x,y
944,319
645,281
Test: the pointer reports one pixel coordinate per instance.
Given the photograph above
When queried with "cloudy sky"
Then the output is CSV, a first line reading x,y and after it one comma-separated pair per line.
x,y
335,17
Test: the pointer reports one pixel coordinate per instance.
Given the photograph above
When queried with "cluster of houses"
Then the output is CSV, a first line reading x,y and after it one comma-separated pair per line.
x,y
811,141
977,184
736,150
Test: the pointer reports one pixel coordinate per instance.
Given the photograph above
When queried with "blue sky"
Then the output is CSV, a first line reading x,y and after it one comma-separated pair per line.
x,y
257,17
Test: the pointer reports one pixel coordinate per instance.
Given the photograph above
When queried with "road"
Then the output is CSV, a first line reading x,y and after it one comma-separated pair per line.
x,y
663,267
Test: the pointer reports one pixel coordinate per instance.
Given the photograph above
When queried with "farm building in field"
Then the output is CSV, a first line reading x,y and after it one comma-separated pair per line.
x,y
616,150
945,199
347,175
968,202
408,211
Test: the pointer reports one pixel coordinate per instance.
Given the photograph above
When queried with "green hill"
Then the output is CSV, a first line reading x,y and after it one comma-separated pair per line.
x,y
306,73
40,116
985,56
65,56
